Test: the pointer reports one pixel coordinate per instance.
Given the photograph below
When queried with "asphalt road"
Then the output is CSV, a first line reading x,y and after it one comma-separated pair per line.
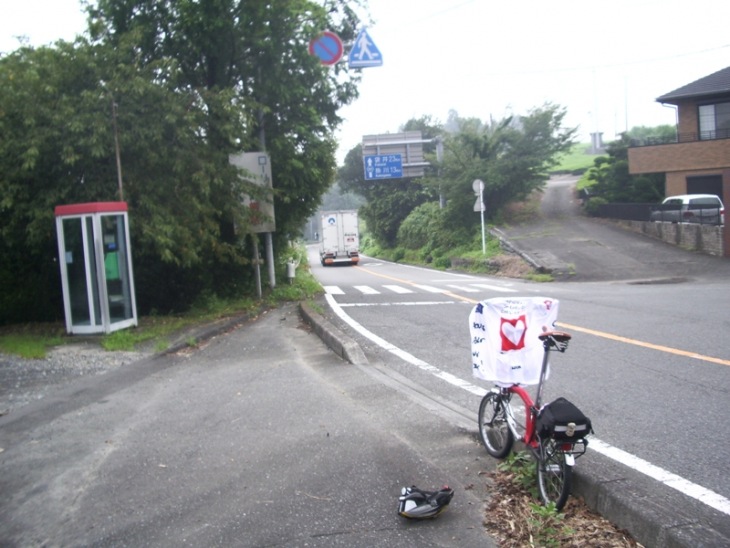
x,y
576,248
646,398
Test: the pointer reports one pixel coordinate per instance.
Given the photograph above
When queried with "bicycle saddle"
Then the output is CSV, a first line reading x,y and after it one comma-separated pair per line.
x,y
559,336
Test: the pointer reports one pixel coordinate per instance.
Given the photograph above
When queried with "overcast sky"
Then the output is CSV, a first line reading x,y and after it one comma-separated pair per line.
x,y
606,62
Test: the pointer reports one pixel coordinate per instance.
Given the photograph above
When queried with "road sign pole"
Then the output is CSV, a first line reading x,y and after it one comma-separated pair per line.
x,y
478,186
484,240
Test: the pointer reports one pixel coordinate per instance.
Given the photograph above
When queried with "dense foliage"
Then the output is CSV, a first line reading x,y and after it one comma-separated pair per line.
x,y
511,156
609,178
186,83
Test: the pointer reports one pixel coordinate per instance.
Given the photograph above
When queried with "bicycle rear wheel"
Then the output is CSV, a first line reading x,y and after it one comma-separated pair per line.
x,y
554,475
493,428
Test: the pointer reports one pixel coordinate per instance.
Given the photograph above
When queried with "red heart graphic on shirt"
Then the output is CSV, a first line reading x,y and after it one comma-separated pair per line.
x,y
513,333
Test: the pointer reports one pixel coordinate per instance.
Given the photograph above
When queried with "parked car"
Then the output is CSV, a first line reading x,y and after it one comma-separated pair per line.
x,y
691,208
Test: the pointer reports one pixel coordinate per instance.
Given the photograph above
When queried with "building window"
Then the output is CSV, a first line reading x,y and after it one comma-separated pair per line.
x,y
714,121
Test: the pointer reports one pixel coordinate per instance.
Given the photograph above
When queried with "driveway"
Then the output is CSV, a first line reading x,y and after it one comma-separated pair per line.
x,y
579,248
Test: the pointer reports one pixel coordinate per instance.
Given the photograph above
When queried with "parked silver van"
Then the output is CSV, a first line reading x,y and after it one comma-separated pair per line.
x,y
691,208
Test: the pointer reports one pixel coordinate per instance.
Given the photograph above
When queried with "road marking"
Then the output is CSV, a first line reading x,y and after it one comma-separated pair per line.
x,y
398,289
594,332
464,289
408,282
697,492
428,288
402,354
408,303
635,342
495,288
332,290
367,290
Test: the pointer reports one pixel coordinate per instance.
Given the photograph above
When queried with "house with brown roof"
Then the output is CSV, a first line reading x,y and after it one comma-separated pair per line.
x,y
697,161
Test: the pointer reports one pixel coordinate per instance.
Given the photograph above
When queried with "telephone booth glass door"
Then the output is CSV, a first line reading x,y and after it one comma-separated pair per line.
x,y
96,267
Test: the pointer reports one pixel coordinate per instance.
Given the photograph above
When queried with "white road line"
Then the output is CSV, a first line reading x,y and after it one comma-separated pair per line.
x,y
495,288
429,288
333,290
697,492
427,303
398,289
463,288
367,290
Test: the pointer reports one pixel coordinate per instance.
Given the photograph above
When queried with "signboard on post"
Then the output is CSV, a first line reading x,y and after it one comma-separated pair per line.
x,y
383,166
255,167
328,47
408,146
364,52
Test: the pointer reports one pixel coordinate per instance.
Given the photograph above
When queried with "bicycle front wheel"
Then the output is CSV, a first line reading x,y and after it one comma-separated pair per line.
x,y
554,475
493,428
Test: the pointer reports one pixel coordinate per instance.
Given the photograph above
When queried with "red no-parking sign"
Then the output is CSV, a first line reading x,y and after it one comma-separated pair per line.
x,y
328,47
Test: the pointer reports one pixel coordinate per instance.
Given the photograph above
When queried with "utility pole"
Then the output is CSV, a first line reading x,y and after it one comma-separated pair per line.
x,y
116,148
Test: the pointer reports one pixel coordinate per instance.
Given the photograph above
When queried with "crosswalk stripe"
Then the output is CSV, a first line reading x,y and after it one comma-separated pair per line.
x,y
464,289
333,290
398,289
429,288
495,288
367,290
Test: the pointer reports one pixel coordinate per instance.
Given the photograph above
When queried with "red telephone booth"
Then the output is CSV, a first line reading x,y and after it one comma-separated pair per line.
x,y
96,267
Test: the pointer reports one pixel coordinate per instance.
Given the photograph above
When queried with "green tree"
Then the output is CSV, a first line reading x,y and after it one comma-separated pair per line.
x,y
511,156
190,82
258,52
612,182
388,202
57,112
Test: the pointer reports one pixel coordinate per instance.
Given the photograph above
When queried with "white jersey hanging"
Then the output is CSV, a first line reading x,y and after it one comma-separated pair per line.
x,y
504,338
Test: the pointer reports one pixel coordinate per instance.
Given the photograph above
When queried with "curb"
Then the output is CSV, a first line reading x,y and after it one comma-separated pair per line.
x,y
609,490
509,246
342,345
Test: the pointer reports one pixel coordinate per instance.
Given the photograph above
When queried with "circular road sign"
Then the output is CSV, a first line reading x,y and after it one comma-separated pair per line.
x,y
328,47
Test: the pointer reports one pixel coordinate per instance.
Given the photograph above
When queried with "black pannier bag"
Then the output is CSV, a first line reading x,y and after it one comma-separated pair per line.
x,y
563,421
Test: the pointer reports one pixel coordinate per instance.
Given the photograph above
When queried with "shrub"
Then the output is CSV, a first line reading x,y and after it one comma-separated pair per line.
x,y
593,204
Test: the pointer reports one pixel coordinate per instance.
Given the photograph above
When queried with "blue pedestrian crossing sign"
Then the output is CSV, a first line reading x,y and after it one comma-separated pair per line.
x,y
364,52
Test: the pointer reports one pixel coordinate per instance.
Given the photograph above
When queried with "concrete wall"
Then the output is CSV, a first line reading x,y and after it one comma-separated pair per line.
x,y
695,237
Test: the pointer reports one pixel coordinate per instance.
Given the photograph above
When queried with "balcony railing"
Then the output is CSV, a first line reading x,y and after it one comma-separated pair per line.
x,y
681,138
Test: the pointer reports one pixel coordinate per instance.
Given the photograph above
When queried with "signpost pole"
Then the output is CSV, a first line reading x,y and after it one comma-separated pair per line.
x,y
478,186
484,241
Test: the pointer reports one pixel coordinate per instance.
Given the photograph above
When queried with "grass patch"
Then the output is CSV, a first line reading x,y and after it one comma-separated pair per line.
x,y
34,341
577,160
515,518
27,345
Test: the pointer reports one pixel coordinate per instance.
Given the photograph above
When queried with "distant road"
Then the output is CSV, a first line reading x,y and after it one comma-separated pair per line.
x,y
580,248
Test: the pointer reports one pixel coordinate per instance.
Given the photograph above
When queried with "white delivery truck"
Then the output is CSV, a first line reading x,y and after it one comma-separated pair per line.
x,y
340,238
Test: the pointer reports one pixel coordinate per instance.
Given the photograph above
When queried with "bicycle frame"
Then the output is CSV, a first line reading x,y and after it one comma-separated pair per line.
x,y
531,407
499,429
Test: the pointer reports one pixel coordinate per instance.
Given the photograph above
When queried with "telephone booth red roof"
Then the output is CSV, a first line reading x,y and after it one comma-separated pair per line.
x,y
91,207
